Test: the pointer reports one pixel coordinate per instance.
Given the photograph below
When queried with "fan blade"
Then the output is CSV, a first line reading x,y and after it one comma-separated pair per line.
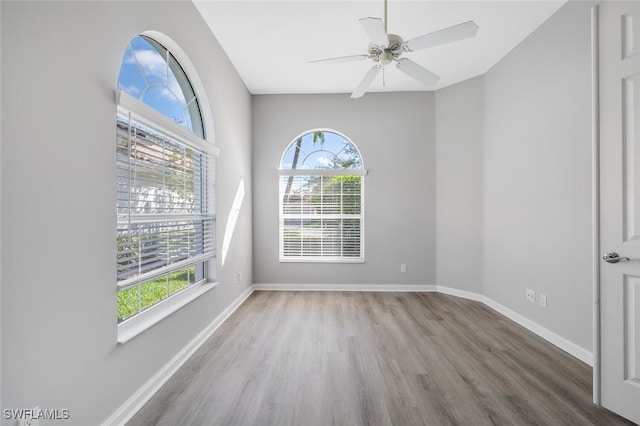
x,y
366,81
447,35
374,27
341,59
417,72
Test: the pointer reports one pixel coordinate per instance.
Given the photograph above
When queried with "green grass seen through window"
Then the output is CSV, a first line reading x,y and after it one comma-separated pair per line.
x,y
138,298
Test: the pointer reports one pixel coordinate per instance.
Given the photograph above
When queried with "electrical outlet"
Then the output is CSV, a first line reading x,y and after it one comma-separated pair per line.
x,y
531,295
543,300
403,267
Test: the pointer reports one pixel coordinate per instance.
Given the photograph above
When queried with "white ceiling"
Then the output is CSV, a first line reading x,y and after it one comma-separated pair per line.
x,y
271,42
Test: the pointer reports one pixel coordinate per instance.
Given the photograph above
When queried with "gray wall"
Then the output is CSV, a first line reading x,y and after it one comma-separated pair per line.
x,y
459,173
537,176
395,135
60,64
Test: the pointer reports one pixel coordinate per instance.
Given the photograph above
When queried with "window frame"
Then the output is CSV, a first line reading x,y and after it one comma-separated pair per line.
x,y
344,172
151,118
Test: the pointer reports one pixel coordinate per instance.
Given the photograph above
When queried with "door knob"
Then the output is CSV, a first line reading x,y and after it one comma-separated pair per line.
x,y
613,257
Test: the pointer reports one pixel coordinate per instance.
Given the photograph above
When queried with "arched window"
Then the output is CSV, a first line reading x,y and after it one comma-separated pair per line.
x,y
164,167
151,74
322,199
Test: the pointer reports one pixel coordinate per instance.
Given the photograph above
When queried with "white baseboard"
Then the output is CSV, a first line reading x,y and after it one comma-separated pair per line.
x,y
566,345
405,288
138,399
464,294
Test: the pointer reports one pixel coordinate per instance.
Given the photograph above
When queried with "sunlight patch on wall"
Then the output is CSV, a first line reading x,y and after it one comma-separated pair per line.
x,y
232,220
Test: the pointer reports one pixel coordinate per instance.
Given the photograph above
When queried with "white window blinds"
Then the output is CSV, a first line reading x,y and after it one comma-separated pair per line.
x,y
164,206
321,215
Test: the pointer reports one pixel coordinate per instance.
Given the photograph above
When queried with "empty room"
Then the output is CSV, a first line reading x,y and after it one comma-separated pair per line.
x,y
319,212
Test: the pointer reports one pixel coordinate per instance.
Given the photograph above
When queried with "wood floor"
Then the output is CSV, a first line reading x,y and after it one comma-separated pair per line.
x,y
352,358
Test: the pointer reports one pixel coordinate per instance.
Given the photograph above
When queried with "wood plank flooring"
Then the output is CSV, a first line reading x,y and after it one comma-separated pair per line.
x,y
352,358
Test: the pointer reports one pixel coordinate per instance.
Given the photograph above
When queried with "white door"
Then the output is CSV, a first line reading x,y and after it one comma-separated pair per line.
x,y
619,107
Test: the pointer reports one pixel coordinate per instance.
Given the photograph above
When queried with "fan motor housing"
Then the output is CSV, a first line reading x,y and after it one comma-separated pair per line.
x,y
385,55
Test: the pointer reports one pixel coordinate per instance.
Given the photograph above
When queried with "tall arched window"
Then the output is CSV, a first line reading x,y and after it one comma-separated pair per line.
x,y
165,167
322,199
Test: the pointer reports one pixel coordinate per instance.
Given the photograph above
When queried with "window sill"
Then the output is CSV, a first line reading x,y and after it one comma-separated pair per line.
x,y
130,328
320,260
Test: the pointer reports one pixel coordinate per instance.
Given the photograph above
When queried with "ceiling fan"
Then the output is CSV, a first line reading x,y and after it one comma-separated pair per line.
x,y
385,48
